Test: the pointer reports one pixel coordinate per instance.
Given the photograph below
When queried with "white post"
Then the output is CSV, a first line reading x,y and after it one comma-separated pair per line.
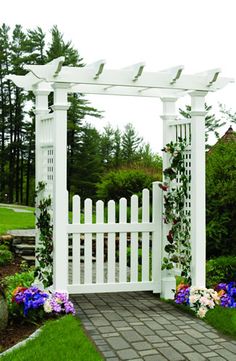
x,y
168,277
60,197
157,237
198,231
41,92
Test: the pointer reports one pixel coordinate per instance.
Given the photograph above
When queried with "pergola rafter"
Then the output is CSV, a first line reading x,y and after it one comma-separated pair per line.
x,y
51,142
130,81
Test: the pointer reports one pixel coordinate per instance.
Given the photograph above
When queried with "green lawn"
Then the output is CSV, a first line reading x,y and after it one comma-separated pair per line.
x,y
10,219
61,340
223,319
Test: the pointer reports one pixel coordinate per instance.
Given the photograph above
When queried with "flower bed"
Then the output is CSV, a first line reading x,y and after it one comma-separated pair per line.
x,y
200,300
36,303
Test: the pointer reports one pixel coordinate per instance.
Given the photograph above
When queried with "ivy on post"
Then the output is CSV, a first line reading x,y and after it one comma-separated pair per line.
x,y
175,187
44,250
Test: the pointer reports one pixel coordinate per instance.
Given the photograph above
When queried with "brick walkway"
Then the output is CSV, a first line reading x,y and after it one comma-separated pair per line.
x,y
138,326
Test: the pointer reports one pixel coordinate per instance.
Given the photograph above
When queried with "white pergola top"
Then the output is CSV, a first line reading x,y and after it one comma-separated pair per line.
x,y
133,80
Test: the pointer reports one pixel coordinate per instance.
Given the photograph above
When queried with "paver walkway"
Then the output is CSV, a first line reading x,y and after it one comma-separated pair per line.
x,y
138,326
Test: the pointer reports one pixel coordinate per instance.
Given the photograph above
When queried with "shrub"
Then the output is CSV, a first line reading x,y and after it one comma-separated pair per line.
x,y
221,199
3,247
123,183
221,269
10,283
5,257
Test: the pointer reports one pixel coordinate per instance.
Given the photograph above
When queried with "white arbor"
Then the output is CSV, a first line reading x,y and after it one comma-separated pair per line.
x,y
51,140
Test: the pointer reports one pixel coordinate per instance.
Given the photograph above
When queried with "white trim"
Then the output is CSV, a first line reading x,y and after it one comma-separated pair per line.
x,y
111,287
111,227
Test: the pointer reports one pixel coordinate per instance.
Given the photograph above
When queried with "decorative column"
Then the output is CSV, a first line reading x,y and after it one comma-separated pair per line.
x,y
198,228
60,198
168,282
41,92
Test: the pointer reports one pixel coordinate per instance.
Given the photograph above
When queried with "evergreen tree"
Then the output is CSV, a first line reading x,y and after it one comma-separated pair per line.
x,y
4,103
117,159
107,145
212,124
131,143
88,163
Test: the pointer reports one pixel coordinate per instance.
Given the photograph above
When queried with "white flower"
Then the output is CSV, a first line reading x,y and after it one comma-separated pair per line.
x,y
193,299
204,301
202,312
211,304
47,306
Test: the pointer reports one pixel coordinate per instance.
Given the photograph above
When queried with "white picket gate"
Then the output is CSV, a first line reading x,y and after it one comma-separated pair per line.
x,y
104,267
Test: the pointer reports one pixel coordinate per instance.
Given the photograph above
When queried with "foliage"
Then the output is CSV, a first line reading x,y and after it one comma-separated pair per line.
x,y
44,256
177,246
125,149
88,164
131,142
6,257
14,220
19,47
9,283
123,183
220,270
212,124
228,114
68,341
221,199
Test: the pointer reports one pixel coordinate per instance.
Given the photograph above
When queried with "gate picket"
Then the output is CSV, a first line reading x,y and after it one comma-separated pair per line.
x,y
145,235
111,243
123,242
99,243
134,240
88,242
76,241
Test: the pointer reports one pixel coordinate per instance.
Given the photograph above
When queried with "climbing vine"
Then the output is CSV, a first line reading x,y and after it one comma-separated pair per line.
x,y
175,187
44,251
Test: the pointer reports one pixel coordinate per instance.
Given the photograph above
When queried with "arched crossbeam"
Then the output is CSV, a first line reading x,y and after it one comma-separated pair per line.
x,y
133,80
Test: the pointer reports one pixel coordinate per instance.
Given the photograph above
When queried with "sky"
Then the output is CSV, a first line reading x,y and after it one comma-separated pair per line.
x,y
200,35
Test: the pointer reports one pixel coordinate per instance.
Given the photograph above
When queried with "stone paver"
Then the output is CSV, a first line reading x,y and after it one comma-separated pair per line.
x,y
138,326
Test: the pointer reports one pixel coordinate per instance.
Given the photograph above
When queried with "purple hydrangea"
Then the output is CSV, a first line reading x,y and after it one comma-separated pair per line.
x,y
31,298
227,293
182,294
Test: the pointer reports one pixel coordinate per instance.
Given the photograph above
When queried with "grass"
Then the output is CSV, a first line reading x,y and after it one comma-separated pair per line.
x,y
223,319
59,340
10,219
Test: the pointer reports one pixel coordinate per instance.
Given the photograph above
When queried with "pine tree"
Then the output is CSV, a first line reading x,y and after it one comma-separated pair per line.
x,y
131,143
212,124
4,103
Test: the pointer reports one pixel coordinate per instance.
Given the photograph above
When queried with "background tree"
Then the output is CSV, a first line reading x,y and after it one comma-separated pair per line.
x,y
212,123
221,199
131,143
123,183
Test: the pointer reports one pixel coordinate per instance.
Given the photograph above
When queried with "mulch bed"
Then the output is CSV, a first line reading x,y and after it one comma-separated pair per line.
x,y
16,331
10,269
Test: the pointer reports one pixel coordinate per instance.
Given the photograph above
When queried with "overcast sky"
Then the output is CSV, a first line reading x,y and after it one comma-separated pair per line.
x,y
200,34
